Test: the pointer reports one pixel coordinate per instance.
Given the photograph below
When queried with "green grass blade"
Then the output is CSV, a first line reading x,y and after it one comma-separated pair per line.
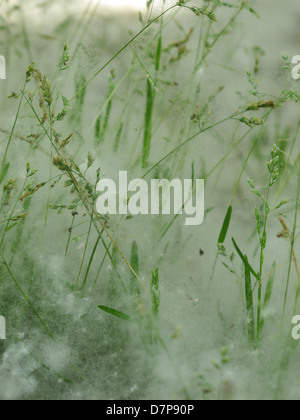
x,y
115,313
249,302
155,292
4,172
225,226
269,288
158,54
91,261
118,137
245,260
106,120
98,130
134,261
148,124
268,293
143,68
27,298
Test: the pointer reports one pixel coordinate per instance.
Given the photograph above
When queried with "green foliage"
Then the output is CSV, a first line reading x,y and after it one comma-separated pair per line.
x,y
155,292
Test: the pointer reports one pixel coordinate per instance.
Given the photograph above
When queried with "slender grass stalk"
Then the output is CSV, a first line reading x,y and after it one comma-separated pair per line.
x,y
12,212
109,99
91,261
176,149
86,26
118,137
84,252
27,298
4,167
49,189
265,118
107,253
70,233
134,261
25,35
228,153
283,176
81,22
217,37
261,264
125,47
268,293
292,254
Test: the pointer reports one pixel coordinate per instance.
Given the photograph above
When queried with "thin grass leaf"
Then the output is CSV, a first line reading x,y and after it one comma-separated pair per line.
x,y
158,54
245,260
268,293
115,313
106,120
225,226
98,130
193,176
118,137
134,261
148,124
27,298
143,68
11,227
91,261
249,302
4,172
155,292
269,288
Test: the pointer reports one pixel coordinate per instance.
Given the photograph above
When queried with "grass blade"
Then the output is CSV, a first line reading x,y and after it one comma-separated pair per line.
x,y
115,313
27,299
118,137
148,124
245,260
4,172
269,288
158,54
225,226
134,261
268,293
90,261
249,302
98,130
155,292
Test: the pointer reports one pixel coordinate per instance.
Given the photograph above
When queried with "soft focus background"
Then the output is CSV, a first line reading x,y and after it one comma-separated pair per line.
x,y
55,270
